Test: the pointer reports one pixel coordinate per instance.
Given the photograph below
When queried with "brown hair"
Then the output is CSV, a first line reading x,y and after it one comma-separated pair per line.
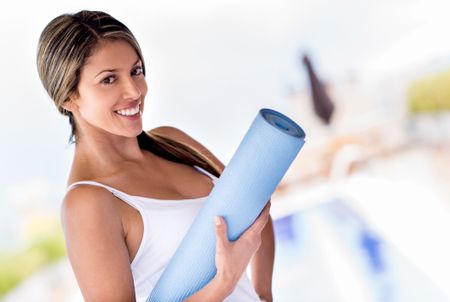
x,y
65,44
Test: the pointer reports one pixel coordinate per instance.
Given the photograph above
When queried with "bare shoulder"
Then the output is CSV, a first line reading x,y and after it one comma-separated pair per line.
x,y
95,243
176,134
181,136
86,202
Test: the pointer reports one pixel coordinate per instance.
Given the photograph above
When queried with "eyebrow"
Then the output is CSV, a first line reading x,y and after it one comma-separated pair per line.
x,y
113,70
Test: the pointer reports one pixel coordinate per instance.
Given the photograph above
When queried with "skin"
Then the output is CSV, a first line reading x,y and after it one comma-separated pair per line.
x,y
102,232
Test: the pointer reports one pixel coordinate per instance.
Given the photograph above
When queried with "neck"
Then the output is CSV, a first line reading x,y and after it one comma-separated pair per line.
x,y
106,154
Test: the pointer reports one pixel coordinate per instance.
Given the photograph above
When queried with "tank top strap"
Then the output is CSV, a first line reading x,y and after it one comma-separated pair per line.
x,y
93,183
117,192
210,175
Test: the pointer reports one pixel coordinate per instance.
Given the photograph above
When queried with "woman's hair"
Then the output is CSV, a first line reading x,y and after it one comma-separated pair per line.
x,y
64,46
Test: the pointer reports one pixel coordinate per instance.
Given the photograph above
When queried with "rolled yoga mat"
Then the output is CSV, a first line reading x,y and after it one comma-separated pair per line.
x,y
244,188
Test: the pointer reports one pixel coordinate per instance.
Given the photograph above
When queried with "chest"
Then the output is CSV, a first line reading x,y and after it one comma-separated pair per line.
x,y
177,200
173,181
157,226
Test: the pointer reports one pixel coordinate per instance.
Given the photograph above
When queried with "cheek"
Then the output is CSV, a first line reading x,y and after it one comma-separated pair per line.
x,y
97,101
142,84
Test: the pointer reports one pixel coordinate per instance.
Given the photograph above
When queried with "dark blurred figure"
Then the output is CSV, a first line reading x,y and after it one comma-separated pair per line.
x,y
323,106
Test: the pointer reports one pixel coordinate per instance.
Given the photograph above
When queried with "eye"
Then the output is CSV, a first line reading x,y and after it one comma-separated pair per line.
x,y
137,71
108,80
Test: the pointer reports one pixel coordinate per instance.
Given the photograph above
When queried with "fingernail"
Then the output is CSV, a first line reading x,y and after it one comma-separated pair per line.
x,y
217,220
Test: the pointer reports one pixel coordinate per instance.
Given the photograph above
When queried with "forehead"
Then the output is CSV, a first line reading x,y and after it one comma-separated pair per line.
x,y
111,55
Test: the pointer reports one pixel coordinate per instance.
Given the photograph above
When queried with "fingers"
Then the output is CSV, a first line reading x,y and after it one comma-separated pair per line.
x,y
258,225
262,218
254,229
221,232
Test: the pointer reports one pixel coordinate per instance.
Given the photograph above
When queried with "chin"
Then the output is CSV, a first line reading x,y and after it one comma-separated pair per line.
x,y
131,133
136,133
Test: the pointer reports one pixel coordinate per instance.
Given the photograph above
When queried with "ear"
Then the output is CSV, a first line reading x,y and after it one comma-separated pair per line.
x,y
70,104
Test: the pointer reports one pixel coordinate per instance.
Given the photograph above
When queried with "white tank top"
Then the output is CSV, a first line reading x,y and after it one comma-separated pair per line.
x,y
165,224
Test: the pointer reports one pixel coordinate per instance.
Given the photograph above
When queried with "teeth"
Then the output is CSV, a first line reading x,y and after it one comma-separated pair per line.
x,y
128,112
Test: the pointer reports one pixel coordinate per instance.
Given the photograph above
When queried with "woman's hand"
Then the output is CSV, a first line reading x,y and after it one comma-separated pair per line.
x,y
232,258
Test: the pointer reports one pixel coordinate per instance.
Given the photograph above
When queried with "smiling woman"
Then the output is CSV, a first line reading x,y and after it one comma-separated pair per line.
x,y
112,98
119,243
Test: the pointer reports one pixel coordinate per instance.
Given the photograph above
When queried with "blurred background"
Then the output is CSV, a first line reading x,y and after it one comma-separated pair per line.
x,y
363,212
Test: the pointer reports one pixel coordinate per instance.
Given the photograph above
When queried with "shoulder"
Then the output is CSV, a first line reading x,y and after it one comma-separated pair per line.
x,y
95,242
87,201
182,137
176,134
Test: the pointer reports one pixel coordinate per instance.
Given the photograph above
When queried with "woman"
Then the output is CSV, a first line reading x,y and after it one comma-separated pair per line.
x,y
119,243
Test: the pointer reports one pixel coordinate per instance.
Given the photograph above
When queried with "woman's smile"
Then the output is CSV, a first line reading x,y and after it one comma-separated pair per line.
x,y
131,113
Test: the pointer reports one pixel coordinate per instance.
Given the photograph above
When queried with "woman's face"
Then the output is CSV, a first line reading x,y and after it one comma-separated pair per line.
x,y
111,91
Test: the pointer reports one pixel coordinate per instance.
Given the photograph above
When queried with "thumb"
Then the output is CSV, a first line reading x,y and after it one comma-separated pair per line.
x,y
221,232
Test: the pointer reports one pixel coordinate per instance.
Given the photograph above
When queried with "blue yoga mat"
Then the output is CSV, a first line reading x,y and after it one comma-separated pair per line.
x,y
246,184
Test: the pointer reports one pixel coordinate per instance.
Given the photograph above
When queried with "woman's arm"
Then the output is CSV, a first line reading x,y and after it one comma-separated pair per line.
x,y
214,291
262,263
96,246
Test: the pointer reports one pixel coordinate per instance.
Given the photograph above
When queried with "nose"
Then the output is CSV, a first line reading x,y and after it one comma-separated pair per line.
x,y
130,89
